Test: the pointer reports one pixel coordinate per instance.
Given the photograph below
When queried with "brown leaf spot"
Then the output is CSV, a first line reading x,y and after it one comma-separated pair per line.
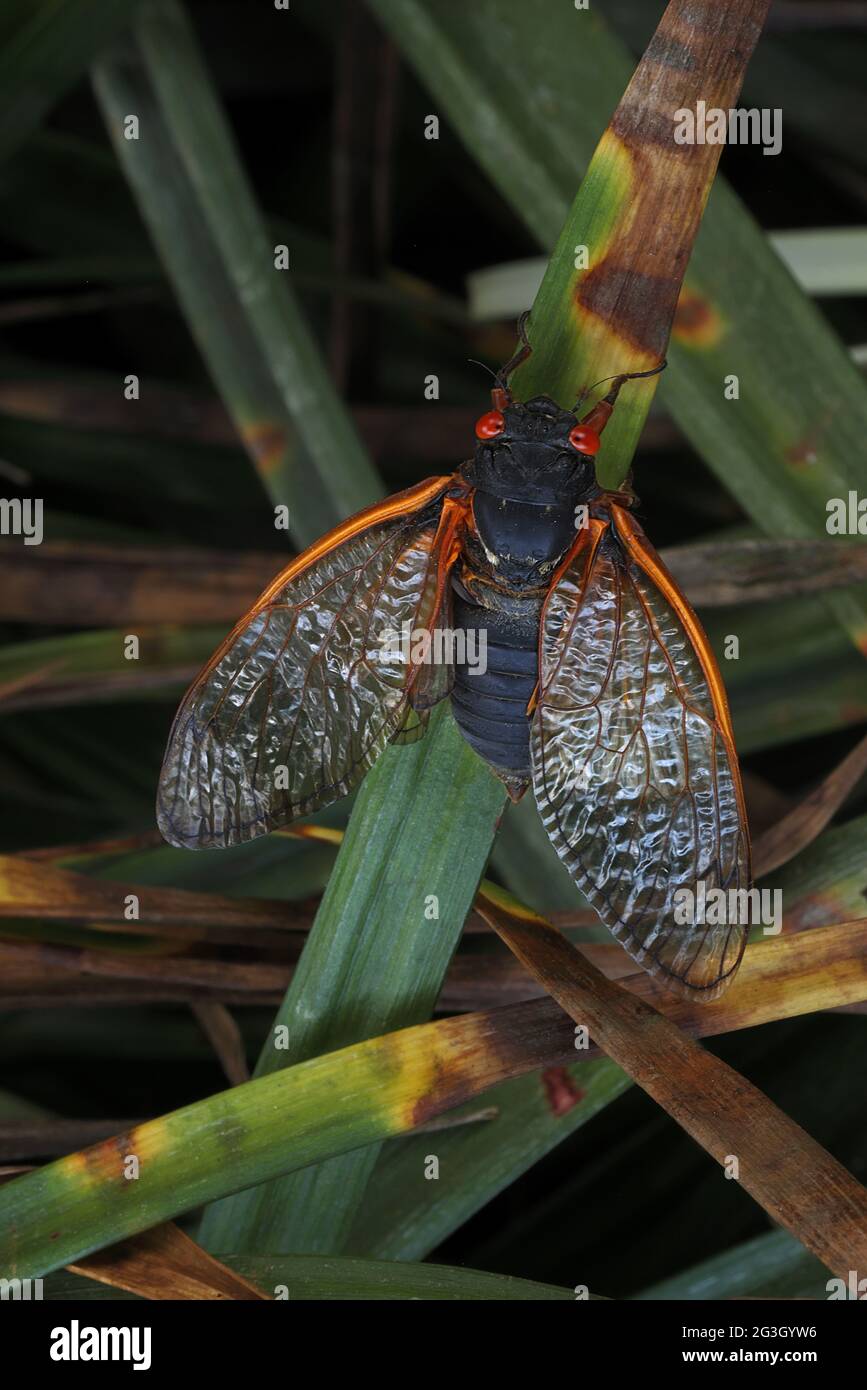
x,y
697,322
670,52
634,305
268,444
561,1092
802,453
423,1110
640,127
448,1089
105,1160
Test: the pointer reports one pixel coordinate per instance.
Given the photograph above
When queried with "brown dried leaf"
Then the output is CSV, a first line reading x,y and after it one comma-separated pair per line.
x,y
164,1263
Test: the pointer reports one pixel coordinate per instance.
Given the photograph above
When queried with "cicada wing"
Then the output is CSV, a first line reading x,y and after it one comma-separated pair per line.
x,y
307,690
634,765
436,674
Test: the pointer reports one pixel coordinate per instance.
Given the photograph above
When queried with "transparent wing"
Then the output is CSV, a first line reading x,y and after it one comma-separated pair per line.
x,y
634,766
305,693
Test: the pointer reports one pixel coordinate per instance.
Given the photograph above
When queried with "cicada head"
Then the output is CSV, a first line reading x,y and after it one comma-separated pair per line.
x,y
534,451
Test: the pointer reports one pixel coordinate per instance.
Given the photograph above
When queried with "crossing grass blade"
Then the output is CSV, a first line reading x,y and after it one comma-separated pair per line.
x,y
100,583
39,891
828,880
784,840
304,1278
260,866
795,676
771,1266
282,1122
87,666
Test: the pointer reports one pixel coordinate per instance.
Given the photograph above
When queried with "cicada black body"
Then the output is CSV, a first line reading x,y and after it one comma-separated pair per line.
x,y
599,687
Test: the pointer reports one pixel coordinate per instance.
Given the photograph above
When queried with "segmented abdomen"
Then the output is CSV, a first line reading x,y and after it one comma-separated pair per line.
x,y
490,705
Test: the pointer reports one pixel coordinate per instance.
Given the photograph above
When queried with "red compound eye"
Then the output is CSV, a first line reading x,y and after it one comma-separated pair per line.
x,y
585,440
490,425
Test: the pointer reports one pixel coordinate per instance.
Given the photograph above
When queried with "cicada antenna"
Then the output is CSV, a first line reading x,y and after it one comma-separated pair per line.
x,y
476,363
618,382
501,396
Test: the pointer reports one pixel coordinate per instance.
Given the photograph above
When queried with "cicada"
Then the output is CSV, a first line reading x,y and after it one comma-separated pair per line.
x,y
599,687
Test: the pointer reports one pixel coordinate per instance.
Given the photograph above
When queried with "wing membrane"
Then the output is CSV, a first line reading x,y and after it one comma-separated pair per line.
x,y
303,696
634,766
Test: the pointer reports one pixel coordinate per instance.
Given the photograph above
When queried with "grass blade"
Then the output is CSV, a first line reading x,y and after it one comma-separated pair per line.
x,y
397,863
797,674
35,890
276,1124
83,584
207,152
308,1277
828,881
401,1218
804,822
723,573
97,584
771,1266
86,666
614,313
